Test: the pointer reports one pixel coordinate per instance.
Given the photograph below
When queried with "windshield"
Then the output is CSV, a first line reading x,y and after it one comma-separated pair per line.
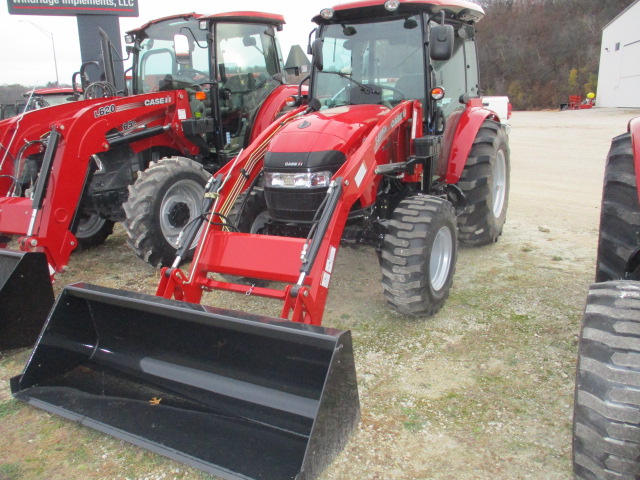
x,y
157,68
371,63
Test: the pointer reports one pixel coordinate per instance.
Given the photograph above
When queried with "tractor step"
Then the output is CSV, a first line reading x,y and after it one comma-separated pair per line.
x,y
236,395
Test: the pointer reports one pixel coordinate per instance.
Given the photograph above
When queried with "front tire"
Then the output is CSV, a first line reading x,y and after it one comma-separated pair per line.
x,y
606,423
619,213
93,230
485,183
165,198
419,255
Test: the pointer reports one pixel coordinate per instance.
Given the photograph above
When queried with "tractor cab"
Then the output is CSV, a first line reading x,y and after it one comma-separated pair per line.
x,y
384,53
368,58
227,63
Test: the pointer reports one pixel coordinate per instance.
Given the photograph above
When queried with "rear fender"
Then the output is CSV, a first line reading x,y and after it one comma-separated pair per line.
x,y
634,130
270,108
459,135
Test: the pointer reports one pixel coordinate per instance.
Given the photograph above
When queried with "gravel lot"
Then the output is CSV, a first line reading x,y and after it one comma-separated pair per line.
x,y
483,390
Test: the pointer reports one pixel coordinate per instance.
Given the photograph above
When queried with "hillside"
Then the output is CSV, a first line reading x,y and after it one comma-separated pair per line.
x,y
540,51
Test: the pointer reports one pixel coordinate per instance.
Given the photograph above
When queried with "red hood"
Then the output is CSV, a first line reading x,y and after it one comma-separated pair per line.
x,y
341,128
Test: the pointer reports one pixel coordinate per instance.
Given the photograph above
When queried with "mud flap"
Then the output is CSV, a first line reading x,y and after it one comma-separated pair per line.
x,y
236,395
26,297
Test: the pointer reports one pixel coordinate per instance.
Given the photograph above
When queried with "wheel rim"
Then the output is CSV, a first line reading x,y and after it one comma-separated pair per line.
x,y
499,183
440,261
259,223
89,225
181,203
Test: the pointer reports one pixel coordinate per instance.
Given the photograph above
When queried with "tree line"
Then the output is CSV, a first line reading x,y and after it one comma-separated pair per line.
x,y
538,52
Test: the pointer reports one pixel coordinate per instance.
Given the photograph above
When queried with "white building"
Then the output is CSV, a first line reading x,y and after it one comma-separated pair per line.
x,y
619,74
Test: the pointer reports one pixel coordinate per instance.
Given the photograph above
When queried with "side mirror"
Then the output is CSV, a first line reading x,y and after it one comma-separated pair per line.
x,y
316,50
297,62
182,49
441,42
249,41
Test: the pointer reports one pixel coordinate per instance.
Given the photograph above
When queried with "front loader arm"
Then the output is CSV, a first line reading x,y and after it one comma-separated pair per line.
x,y
46,225
305,266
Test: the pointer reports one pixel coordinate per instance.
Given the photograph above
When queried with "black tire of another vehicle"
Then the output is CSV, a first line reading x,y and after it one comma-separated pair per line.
x,y
606,424
620,213
418,256
485,183
93,230
165,198
249,212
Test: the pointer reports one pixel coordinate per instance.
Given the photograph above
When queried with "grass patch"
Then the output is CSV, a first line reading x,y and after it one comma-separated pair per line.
x,y
11,471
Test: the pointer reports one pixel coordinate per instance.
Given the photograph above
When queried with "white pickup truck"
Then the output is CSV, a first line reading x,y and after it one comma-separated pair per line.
x,y
502,107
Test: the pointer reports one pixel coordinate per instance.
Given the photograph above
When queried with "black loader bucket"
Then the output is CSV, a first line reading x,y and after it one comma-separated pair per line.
x,y
26,297
236,395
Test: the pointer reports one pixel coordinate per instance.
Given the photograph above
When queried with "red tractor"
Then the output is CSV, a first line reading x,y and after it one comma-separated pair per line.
x,y
67,174
391,148
607,408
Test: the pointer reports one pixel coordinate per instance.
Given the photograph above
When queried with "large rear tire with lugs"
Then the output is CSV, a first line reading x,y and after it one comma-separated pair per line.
x,y
620,212
485,183
606,426
165,198
419,255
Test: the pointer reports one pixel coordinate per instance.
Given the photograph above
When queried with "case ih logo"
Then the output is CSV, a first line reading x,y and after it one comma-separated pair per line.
x,y
157,101
120,8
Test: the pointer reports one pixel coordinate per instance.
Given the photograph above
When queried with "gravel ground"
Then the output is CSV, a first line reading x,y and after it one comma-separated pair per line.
x,y
483,390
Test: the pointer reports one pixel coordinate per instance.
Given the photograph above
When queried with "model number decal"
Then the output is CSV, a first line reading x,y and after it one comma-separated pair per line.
x,y
128,125
157,101
106,110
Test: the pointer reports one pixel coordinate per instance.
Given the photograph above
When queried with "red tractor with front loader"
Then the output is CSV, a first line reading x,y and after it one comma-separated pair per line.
x,y
69,172
392,148
195,103
606,426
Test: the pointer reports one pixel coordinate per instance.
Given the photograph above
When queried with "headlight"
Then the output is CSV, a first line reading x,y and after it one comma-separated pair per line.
x,y
297,180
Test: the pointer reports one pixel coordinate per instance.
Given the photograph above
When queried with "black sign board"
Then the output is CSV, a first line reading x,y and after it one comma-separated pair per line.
x,y
120,8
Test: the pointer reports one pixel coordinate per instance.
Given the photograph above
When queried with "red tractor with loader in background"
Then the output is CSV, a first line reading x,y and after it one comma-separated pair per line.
x,y
203,87
607,408
391,148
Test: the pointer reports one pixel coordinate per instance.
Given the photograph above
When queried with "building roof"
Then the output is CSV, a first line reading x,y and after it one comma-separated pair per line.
x,y
620,14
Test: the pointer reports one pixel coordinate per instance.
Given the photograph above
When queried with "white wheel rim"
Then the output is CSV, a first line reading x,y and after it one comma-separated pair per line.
x,y
441,256
181,204
499,186
89,226
259,223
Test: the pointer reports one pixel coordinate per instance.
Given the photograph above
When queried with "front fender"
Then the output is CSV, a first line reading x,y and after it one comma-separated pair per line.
x,y
460,132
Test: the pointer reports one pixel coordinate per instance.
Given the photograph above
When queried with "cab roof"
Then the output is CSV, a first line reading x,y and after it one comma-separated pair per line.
x,y
461,10
238,17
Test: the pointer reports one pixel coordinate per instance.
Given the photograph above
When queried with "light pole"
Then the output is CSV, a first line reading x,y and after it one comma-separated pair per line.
x,y
50,35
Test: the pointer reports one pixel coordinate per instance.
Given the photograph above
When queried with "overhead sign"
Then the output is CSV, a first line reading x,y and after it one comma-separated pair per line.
x,y
120,8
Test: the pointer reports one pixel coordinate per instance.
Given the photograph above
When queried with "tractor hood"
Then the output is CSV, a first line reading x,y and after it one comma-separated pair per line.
x,y
330,135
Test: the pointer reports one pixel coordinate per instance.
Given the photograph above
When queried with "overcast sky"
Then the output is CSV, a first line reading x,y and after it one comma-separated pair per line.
x,y
26,53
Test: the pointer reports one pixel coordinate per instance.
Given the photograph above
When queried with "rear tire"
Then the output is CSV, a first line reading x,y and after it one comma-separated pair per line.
x,y
485,183
165,198
419,255
606,424
93,230
619,213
